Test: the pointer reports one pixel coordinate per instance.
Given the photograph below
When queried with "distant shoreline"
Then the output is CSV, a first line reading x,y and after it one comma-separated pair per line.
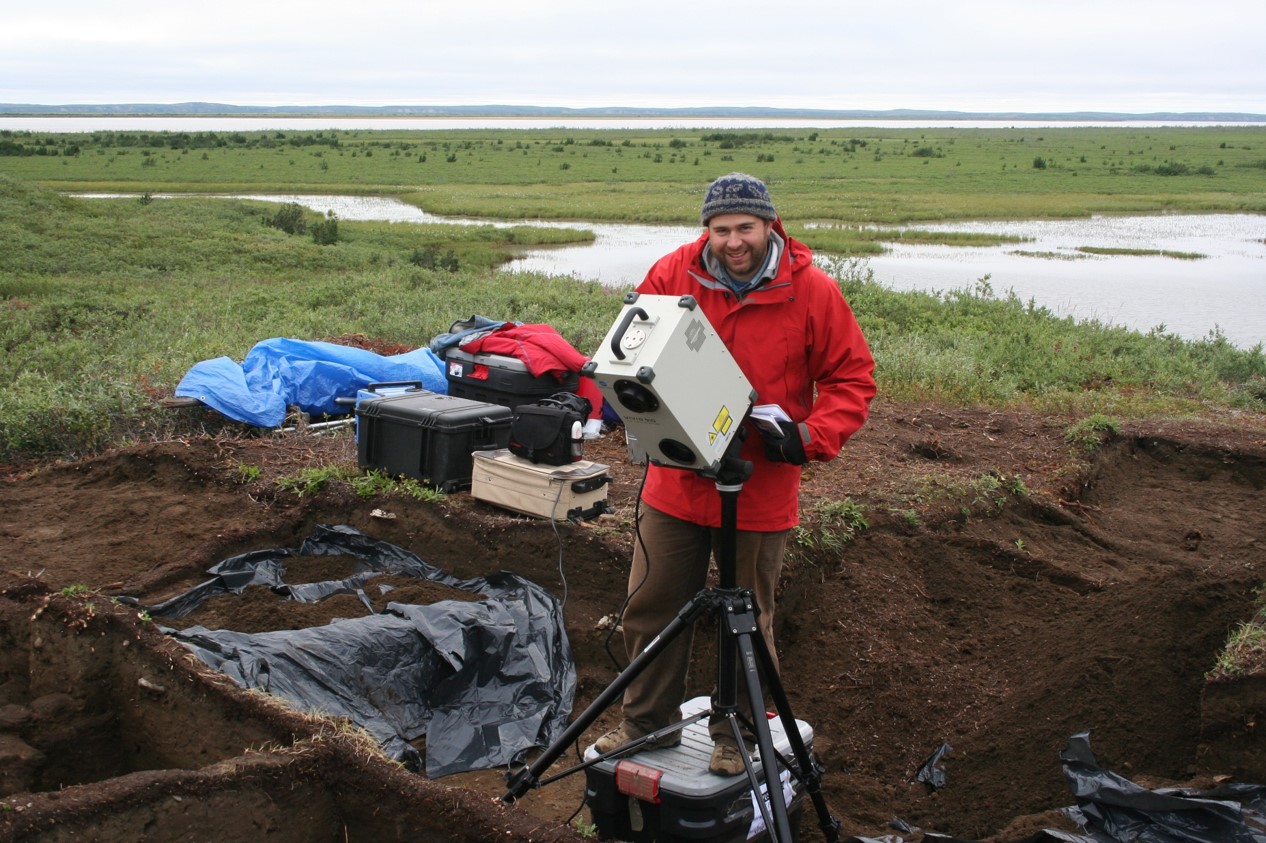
x,y
203,109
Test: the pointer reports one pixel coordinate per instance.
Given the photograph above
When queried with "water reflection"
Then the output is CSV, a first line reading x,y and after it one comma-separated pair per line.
x,y
1226,289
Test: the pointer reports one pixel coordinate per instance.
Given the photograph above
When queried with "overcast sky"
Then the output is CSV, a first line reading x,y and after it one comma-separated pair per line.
x,y
967,55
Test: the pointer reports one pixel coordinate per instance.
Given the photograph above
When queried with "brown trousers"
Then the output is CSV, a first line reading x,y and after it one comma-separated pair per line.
x,y
670,566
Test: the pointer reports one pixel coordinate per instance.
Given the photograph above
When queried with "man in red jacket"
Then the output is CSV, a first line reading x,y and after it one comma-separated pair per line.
x,y
791,332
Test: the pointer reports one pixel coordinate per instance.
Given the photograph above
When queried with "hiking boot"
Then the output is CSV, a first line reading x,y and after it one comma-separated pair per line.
x,y
726,759
624,733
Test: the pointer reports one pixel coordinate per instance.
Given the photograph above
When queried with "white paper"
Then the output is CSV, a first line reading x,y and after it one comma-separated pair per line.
x,y
767,416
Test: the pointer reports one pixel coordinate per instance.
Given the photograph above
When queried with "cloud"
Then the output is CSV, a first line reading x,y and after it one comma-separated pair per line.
x,y
978,54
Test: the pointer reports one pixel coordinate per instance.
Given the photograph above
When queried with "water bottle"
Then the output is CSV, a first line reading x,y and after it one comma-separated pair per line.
x,y
577,440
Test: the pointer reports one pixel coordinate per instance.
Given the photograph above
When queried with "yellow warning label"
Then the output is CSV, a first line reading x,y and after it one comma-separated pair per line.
x,y
722,423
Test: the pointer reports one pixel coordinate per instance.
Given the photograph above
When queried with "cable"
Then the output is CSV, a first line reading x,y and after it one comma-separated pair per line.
x,y
583,799
553,522
637,536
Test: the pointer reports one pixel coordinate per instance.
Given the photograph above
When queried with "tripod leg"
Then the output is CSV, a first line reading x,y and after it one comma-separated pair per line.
x,y
810,769
743,628
523,780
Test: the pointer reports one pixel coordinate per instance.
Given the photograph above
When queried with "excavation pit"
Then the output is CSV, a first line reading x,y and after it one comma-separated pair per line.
x,y
996,622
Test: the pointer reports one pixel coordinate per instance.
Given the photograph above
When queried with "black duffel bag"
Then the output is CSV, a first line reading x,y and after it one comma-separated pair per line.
x,y
551,431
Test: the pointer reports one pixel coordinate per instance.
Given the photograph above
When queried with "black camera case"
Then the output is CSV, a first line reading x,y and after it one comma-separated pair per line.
x,y
551,431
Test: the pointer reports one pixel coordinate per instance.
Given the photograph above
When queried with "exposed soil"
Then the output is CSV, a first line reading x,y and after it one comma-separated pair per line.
x,y
1094,600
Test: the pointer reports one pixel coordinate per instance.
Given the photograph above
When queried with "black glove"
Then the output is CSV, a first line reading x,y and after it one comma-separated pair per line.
x,y
785,445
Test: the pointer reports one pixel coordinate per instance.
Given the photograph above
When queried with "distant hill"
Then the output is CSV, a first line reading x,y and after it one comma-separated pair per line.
x,y
212,109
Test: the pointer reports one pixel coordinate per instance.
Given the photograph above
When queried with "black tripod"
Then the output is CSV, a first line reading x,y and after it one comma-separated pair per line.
x,y
740,646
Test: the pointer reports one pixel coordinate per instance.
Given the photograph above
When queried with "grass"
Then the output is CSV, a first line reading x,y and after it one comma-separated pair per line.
x,y
107,303
858,176
366,484
1164,253
829,526
1244,653
1091,432
984,494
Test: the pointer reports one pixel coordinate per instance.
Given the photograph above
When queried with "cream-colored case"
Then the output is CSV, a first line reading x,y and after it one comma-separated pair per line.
x,y
576,491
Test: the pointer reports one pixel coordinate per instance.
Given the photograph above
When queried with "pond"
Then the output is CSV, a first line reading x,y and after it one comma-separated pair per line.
x,y
1226,288
1223,290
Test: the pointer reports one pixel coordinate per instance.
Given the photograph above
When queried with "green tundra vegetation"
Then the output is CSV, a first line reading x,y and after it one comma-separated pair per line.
x,y
851,176
108,302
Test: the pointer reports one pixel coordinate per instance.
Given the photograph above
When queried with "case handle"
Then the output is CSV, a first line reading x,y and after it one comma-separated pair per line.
x,y
631,314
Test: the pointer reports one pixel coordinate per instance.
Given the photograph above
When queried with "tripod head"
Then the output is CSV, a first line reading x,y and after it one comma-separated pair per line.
x,y
731,469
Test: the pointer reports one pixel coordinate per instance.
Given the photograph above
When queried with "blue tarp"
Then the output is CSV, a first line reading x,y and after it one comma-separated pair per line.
x,y
279,372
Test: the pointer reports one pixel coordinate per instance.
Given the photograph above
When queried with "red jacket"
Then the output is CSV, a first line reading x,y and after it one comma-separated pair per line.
x,y
798,343
543,351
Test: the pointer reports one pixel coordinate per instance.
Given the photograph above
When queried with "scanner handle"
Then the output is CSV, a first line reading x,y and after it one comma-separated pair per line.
x,y
629,315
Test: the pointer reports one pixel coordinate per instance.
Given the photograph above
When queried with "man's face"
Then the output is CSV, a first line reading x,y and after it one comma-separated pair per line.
x,y
740,242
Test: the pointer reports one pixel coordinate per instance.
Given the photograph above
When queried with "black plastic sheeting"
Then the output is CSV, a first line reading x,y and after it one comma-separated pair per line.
x,y
1113,809
484,681
930,771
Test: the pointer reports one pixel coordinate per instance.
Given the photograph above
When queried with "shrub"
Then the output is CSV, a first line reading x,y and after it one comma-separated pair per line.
x,y
430,258
289,218
325,232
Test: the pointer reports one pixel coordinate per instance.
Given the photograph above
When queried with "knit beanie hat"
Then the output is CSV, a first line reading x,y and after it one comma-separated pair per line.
x,y
738,193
